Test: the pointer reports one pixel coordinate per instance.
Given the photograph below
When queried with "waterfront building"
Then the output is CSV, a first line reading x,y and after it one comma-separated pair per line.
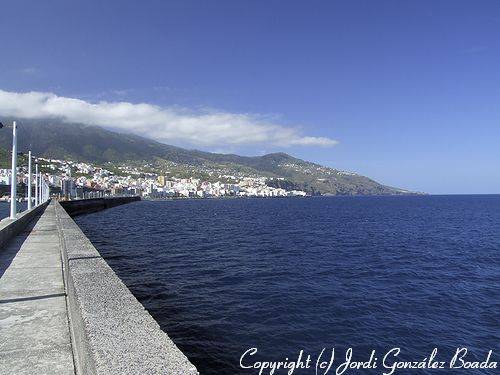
x,y
68,188
161,180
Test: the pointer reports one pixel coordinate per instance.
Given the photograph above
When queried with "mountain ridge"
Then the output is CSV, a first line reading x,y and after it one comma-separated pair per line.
x,y
59,140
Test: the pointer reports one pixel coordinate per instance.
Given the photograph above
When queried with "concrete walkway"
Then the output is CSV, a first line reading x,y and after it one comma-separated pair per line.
x,y
34,330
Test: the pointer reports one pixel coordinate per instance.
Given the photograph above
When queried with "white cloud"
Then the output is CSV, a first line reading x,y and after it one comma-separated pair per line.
x,y
164,124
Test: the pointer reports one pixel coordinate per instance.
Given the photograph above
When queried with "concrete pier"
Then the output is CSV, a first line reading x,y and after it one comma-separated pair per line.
x,y
64,311
34,329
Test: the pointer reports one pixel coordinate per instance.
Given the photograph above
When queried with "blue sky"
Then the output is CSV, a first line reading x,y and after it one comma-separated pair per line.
x,y
409,89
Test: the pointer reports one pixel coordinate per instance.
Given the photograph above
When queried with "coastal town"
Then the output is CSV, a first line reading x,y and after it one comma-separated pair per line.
x,y
75,180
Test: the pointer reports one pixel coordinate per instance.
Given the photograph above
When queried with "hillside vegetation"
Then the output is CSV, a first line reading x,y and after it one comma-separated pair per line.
x,y
55,139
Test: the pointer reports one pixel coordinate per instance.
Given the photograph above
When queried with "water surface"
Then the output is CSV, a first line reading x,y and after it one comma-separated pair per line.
x,y
221,276
5,208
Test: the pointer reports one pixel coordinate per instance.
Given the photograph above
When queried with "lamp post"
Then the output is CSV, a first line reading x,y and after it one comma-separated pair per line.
x,y
40,188
30,203
36,183
13,185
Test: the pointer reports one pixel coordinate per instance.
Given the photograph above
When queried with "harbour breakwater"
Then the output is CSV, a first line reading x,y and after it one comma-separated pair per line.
x,y
85,206
91,322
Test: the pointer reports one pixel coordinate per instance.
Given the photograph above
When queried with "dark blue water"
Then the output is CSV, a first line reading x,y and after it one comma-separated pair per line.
x,y
281,275
5,208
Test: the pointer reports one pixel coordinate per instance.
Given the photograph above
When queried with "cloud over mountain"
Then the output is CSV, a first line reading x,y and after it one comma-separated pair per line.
x,y
163,124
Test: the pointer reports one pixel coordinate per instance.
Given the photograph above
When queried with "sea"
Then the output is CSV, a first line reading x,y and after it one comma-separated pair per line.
x,y
5,208
240,284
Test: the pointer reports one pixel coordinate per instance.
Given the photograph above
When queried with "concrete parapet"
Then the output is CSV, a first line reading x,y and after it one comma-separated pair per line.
x,y
84,206
10,228
111,331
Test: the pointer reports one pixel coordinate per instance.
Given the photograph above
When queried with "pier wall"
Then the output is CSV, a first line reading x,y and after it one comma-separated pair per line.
x,y
85,206
10,228
111,331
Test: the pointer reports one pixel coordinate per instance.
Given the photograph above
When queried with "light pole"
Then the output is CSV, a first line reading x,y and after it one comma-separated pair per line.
x,y
13,185
36,184
30,203
13,182
40,188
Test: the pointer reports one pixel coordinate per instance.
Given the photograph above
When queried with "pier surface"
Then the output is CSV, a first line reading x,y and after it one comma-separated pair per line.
x,y
64,311
35,336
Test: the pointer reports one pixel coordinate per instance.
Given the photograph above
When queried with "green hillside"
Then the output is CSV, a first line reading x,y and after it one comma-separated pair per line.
x,y
55,139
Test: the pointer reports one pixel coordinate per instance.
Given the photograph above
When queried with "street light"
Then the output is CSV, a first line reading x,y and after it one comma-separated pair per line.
x,y
30,203
13,184
36,183
40,188
44,190
29,197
